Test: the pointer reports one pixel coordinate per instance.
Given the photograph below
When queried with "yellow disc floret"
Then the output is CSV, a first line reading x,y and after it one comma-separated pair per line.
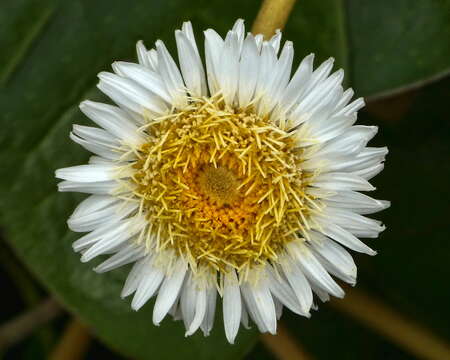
x,y
220,186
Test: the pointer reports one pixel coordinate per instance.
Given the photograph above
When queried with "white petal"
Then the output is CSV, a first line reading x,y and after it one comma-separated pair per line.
x,y
351,141
299,284
259,38
99,188
188,31
145,77
314,271
200,311
333,257
322,294
345,238
298,82
327,102
248,71
346,96
250,310
357,202
134,277
324,130
175,310
260,305
364,233
118,236
92,204
239,30
208,320
153,58
129,94
369,172
268,60
278,308
281,73
348,219
96,136
353,107
283,291
126,255
191,65
171,75
319,75
213,51
106,230
311,95
94,219
232,305
228,71
342,181
113,120
87,173
169,291
147,58
188,297
98,160
141,51
104,151
316,96
368,158
275,41
244,316
150,280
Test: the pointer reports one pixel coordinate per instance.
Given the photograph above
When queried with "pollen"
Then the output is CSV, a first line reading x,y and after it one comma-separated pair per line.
x,y
221,186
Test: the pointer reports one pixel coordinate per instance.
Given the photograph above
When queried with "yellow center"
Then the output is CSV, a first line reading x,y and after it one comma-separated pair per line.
x,y
221,186
218,184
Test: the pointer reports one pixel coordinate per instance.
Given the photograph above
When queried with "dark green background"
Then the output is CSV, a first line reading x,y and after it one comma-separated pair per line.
x,y
50,53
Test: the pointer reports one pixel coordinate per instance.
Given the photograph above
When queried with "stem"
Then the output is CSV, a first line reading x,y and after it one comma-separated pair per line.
x,y
29,290
23,325
386,321
272,15
284,346
74,342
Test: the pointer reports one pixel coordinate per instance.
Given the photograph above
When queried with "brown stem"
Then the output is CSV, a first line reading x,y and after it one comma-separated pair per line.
x,y
23,325
272,15
389,323
74,342
284,346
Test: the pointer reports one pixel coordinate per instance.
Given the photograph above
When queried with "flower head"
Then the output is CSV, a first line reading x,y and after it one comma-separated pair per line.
x,y
239,180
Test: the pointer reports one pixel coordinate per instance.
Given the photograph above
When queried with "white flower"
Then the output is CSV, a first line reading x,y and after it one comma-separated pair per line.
x,y
239,180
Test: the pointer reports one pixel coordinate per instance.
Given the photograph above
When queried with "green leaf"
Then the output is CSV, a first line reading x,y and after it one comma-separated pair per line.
x,y
51,53
396,45
384,46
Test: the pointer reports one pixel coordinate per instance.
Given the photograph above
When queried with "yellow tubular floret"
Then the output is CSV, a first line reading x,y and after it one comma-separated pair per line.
x,y
220,186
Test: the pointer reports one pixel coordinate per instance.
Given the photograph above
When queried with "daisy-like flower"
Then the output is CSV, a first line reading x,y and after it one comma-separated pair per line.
x,y
239,180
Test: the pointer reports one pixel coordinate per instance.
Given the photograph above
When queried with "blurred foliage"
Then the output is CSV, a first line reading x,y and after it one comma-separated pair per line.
x,y
51,53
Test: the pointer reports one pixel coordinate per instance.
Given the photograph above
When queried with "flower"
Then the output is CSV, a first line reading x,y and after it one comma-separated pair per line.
x,y
239,180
